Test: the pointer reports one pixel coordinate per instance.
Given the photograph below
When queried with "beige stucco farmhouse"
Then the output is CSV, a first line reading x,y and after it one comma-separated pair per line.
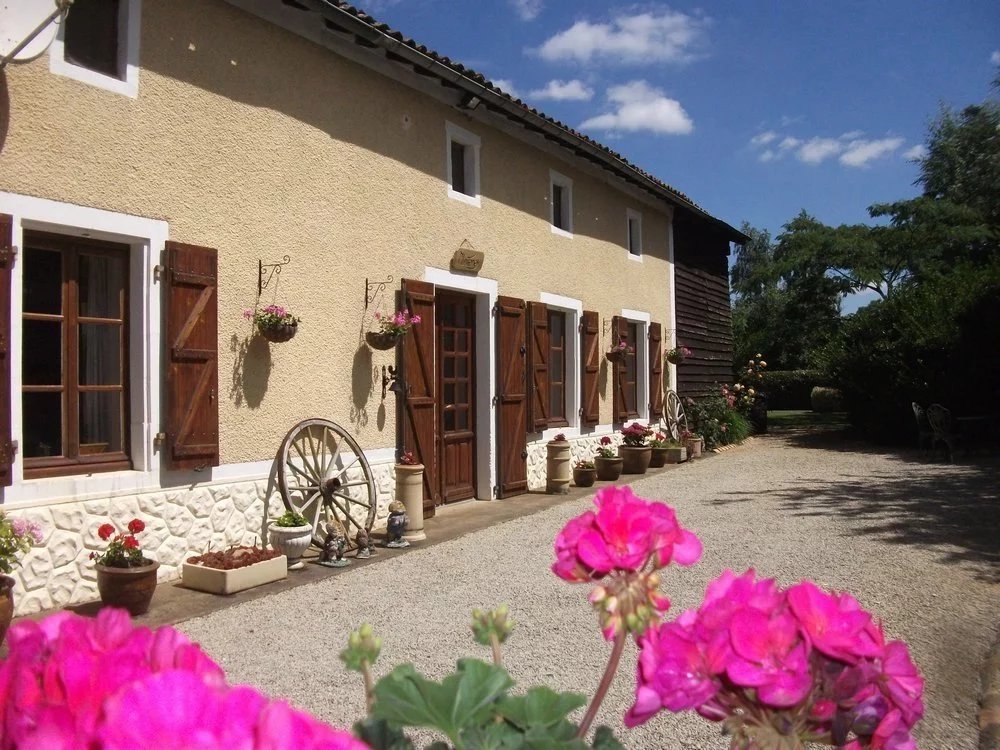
x,y
159,163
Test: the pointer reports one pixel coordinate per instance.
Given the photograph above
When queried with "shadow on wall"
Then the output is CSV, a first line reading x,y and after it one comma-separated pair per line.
x,y
362,385
251,370
311,84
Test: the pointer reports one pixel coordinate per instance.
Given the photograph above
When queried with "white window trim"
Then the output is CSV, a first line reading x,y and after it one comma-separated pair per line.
x,y
146,238
573,309
128,51
460,135
641,359
631,214
555,178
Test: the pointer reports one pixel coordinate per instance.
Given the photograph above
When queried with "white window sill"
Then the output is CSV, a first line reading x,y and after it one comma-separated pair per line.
x,y
560,232
472,200
633,256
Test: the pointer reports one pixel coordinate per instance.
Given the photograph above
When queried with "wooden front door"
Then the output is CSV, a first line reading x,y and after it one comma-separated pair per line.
x,y
456,322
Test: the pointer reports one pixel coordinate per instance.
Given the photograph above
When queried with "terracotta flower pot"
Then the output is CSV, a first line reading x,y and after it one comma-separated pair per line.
x,y
291,541
6,604
635,460
382,340
694,447
557,467
584,477
129,588
410,492
657,458
279,333
608,469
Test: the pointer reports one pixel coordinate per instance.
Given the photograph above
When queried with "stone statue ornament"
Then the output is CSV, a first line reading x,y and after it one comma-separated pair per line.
x,y
334,543
364,542
396,525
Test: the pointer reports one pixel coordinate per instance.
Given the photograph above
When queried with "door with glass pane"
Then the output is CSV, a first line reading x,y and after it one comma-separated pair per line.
x,y
74,400
455,319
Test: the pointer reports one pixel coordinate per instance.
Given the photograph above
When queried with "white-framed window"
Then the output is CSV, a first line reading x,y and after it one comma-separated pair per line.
x,y
636,370
560,203
98,44
462,159
633,236
91,271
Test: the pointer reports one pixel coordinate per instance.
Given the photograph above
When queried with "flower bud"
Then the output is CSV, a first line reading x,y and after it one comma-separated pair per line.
x,y
492,623
363,648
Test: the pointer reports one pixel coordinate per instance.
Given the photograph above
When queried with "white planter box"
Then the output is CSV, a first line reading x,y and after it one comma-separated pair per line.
x,y
216,581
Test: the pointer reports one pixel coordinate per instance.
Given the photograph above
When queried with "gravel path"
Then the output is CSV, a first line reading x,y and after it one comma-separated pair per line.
x,y
919,544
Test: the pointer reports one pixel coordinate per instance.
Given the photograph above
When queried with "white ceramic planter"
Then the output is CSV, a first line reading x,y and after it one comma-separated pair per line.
x,y
410,492
215,581
557,467
291,541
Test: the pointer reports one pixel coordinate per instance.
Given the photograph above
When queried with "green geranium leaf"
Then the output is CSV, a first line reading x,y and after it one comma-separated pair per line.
x,y
604,739
540,706
461,700
379,734
493,736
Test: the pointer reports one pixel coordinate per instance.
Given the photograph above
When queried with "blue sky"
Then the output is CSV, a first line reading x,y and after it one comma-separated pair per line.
x,y
755,110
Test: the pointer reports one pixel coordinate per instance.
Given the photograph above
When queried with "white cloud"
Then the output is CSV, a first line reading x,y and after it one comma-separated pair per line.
x,y
564,91
917,152
858,153
507,86
767,156
762,139
818,150
995,57
527,10
644,38
642,107
788,142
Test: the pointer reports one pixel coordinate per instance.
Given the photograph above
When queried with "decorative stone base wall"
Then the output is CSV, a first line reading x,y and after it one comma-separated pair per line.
x,y
180,522
580,448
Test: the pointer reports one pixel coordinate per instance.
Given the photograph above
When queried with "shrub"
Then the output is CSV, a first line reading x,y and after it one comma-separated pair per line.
x,y
737,427
791,389
825,400
718,422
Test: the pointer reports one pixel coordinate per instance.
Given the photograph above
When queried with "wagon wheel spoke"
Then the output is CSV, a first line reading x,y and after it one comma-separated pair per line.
x,y
305,464
343,470
334,455
359,483
347,513
351,499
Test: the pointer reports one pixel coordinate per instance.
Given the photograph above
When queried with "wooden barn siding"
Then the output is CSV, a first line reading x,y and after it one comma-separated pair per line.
x,y
704,316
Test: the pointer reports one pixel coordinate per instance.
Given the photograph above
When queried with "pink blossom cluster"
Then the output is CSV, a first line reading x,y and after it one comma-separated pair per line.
x,y
621,544
22,527
798,662
398,323
74,683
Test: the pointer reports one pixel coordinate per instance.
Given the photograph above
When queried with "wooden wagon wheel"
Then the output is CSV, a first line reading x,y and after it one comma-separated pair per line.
x,y
323,474
673,412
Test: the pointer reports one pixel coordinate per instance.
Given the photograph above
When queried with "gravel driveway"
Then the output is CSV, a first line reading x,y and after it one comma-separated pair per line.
x,y
917,543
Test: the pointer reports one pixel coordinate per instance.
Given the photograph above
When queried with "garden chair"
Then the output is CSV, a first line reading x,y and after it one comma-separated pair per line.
x,y
942,426
925,435
673,412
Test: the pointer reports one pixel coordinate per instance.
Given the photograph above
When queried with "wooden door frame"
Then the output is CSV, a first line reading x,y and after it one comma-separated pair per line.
x,y
474,417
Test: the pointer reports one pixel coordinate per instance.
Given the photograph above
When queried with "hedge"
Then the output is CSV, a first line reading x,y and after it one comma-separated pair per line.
x,y
791,389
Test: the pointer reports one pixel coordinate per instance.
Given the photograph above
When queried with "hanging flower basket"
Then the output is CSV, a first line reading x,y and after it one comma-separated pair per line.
x,y
676,359
615,355
678,354
383,340
279,333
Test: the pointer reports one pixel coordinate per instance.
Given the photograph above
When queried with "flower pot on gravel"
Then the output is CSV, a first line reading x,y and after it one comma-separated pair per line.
x,y
410,492
6,605
608,469
584,477
635,460
694,447
657,458
677,455
557,467
129,588
291,541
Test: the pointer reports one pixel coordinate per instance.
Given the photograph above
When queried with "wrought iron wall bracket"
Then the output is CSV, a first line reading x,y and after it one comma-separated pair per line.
x,y
374,289
267,271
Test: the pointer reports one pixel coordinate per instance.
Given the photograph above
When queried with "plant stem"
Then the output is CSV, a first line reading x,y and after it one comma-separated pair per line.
x,y
602,689
495,645
366,672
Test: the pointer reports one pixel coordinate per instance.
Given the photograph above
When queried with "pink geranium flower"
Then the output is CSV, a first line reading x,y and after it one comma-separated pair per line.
x,y
835,624
769,656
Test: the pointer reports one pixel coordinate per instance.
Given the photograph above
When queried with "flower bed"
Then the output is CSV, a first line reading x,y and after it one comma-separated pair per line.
x,y
233,570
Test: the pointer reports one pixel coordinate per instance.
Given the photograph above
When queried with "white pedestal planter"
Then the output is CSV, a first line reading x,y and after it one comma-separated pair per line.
x,y
410,492
216,581
291,541
557,467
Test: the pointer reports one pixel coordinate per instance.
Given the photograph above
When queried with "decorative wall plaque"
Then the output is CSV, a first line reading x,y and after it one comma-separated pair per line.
x,y
467,259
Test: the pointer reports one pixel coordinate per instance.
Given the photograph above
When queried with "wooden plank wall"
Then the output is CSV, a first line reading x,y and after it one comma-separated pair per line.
x,y
704,316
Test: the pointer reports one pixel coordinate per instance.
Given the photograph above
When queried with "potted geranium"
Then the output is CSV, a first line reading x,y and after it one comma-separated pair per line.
x,y
126,578
17,536
584,473
391,329
678,354
274,322
693,442
557,465
658,453
617,352
635,448
410,492
291,534
607,461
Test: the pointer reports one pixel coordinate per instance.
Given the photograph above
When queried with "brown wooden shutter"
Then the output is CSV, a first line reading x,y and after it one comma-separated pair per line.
x,y
590,345
619,331
7,448
512,391
655,371
192,356
419,408
538,366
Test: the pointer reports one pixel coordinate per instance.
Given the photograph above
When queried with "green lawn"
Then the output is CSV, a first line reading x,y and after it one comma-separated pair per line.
x,y
780,419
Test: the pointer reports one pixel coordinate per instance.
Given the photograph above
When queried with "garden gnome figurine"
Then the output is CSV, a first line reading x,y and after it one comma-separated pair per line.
x,y
333,545
364,543
396,525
